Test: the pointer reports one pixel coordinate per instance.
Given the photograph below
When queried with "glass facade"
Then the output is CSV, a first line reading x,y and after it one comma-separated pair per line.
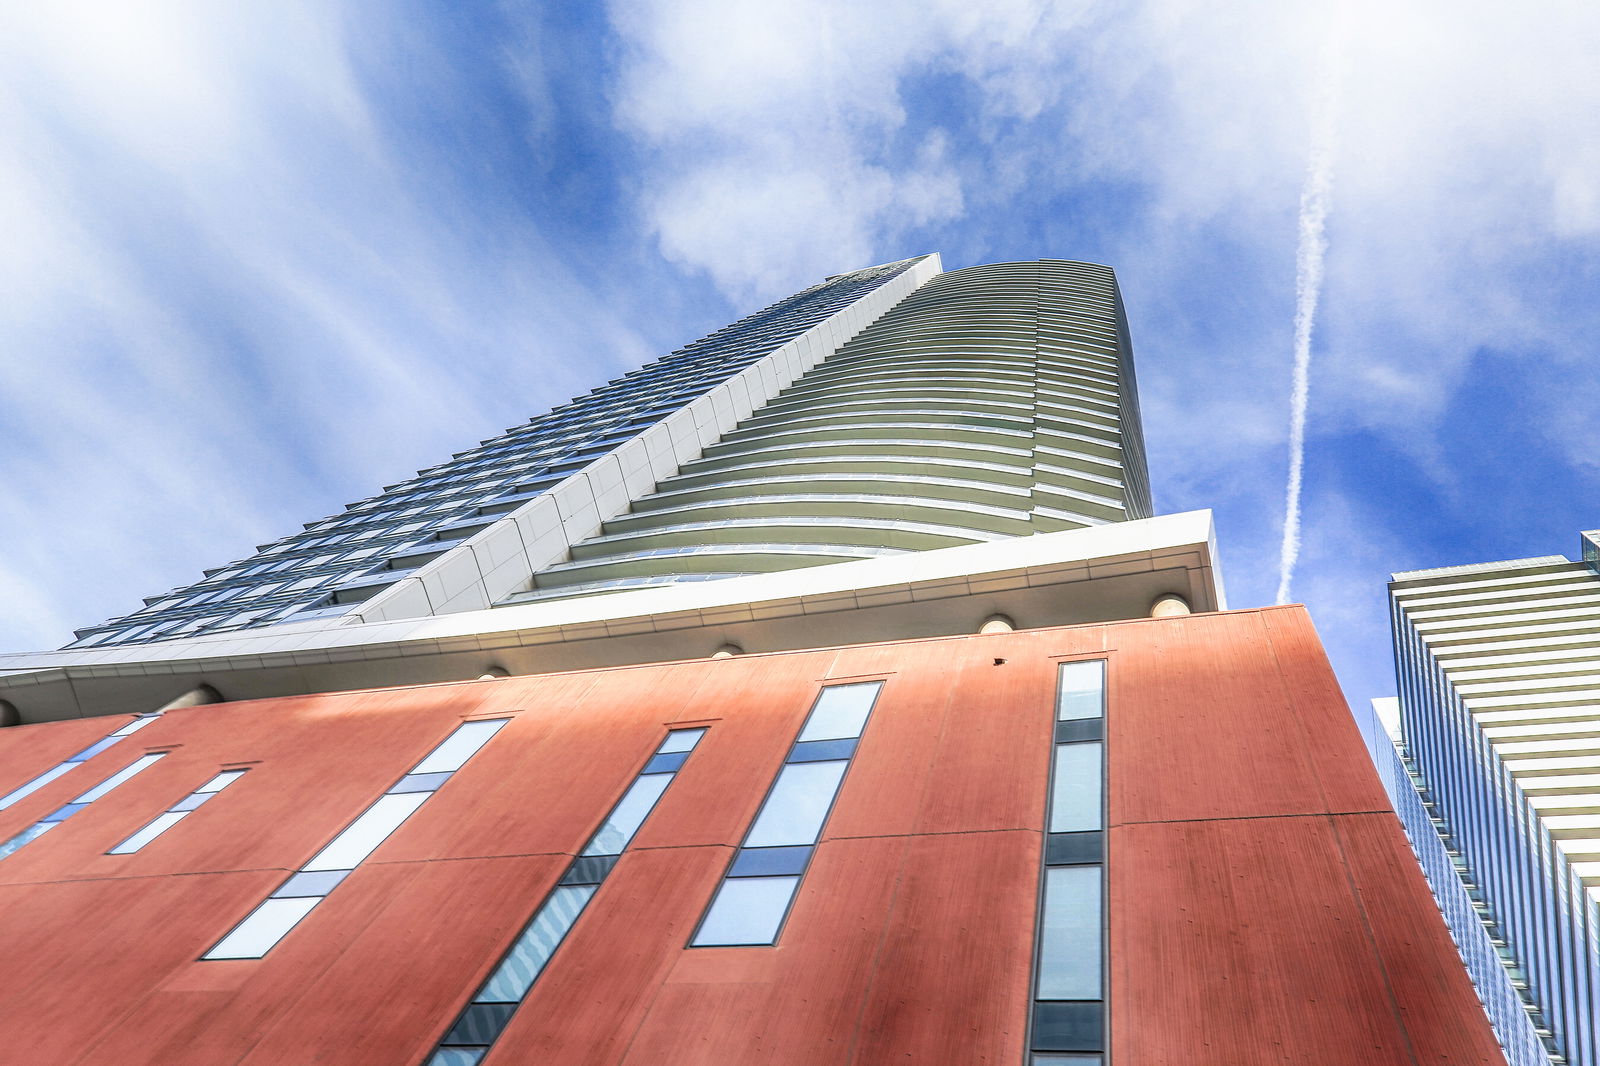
x,y
1475,937
1492,793
339,561
992,402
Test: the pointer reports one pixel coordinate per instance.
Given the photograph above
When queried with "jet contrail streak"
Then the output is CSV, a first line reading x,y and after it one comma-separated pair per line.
x,y
1309,256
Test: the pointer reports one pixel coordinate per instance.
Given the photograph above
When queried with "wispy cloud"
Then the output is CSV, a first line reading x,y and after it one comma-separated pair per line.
x,y
244,286
1310,253
777,140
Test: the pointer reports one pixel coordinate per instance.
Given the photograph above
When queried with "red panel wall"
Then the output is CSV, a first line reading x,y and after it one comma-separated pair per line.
x,y
1264,907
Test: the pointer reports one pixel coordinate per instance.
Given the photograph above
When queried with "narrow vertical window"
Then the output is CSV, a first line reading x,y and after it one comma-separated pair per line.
x,y
1069,980
176,813
269,923
1081,690
476,1030
50,821
30,787
750,905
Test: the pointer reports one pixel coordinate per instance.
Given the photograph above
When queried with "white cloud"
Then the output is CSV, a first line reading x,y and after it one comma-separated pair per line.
x,y
233,294
776,132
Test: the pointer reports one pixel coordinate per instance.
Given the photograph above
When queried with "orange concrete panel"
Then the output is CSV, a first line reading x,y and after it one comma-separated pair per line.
x,y
315,763
400,982
194,1029
990,769
1236,943
81,956
1240,935
866,661
1071,641
1435,996
951,982
26,751
76,848
534,788
893,765
592,996
830,946
710,1014
1200,724
528,692
1344,771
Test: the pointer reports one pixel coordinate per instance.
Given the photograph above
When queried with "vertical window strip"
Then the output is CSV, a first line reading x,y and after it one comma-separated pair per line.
x,y
490,1010
50,821
753,900
86,754
1081,690
1069,979
177,812
270,922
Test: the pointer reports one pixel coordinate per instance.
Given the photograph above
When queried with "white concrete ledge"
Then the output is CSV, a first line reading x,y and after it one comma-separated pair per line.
x,y
1103,573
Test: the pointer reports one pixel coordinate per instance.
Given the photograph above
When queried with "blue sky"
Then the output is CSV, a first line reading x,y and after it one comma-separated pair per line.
x,y
263,258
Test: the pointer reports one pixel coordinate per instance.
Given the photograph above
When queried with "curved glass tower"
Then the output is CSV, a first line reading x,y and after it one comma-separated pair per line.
x,y
347,559
992,402
892,409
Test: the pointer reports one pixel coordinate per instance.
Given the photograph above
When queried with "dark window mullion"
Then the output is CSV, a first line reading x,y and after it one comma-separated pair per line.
x,y
1068,1019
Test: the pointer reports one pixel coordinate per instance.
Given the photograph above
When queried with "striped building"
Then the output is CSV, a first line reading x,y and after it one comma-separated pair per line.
x,y
1499,675
993,402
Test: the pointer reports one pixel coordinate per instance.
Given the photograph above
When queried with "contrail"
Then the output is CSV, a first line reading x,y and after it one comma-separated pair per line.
x,y
1309,256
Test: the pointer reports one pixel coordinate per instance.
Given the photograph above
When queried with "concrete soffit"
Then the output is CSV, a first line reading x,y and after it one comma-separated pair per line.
x,y
1102,573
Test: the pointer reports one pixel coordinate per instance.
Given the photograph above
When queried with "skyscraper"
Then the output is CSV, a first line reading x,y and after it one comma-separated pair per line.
x,y
380,542
826,692
991,403
1499,681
